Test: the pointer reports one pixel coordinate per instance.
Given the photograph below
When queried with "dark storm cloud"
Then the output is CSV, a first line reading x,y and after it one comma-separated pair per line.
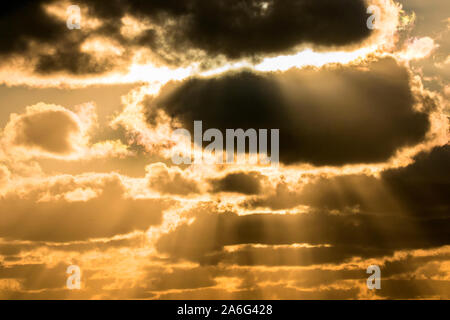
x,y
425,185
349,235
332,116
245,27
239,182
24,21
69,58
234,28
25,25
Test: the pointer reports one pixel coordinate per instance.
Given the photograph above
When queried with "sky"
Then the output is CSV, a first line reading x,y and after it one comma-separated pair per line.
x,y
91,103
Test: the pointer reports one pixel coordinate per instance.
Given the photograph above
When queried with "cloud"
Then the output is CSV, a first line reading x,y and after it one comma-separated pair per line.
x,y
4,175
35,37
29,30
49,129
423,186
282,197
349,235
418,49
239,182
163,281
13,249
419,189
173,32
43,216
170,180
36,276
329,116
23,22
52,131
415,289
244,28
270,292
180,278
272,256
